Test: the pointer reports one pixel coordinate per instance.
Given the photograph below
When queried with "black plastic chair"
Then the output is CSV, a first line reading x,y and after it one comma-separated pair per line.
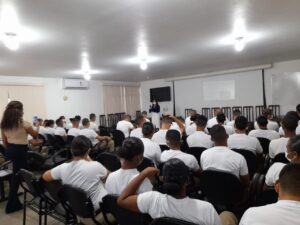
x,y
170,221
268,196
280,158
221,188
52,142
145,163
103,131
264,142
109,161
184,145
60,142
197,152
5,175
164,147
256,188
251,160
75,200
42,137
118,137
69,140
123,216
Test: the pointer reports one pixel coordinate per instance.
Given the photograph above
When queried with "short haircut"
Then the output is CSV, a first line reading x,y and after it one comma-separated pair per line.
x,y
78,117
294,144
175,175
236,112
130,148
289,123
200,120
85,121
59,122
298,108
148,129
292,113
166,120
289,179
139,121
92,116
80,145
221,118
218,133
262,121
49,123
241,123
173,136
267,112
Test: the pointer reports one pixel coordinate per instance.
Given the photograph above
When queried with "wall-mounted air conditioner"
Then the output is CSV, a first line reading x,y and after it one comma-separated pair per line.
x,y
75,84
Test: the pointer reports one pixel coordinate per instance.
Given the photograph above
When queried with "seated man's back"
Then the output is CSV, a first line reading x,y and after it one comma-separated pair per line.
x,y
242,141
125,126
268,134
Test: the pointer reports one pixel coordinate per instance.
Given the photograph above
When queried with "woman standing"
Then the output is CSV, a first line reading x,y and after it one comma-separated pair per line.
x,y
155,110
14,131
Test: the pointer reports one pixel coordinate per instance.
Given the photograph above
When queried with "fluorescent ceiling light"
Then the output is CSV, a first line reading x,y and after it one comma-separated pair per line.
x,y
144,66
87,76
239,44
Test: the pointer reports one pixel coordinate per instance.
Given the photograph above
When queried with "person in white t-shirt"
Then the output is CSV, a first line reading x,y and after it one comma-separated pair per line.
x,y
213,121
262,131
295,114
125,125
174,203
289,124
59,130
188,122
287,210
235,114
222,158
173,141
74,130
137,132
131,155
272,125
221,118
151,149
81,172
49,127
93,123
145,115
240,140
200,138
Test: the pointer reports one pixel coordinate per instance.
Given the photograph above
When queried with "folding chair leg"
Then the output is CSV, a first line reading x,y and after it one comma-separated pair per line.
x,y
24,209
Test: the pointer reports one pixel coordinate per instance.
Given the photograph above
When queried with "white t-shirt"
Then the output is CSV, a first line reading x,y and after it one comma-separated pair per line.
x,y
273,173
90,134
94,126
199,139
272,125
175,126
160,137
69,126
229,129
60,131
73,132
117,181
43,131
125,126
211,122
230,123
137,132
50,130
284,212
83,174
268,134
242,141
151,150
191,210
191,129
277,146
188,122
189,160
223,159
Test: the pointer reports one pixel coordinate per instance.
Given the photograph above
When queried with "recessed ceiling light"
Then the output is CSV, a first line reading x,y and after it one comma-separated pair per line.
x,y
239,44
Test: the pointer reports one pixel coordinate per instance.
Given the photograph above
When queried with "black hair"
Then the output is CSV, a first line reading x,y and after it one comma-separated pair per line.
x,y
131,147
292,113
59,122
241,123
175,175
62,117
85,121
298,108
218,133
12,116
294,144
236,112
78,117
92,116
139,120
80,145
267,112
173,137
221,118
289,179
148,129
289,123
200,120
49,123
262,121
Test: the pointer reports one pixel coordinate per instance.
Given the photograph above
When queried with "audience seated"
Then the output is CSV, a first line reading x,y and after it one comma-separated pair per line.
x,y
93,124
272,125
49,127
235,114
174,203
81,172
74,130
262,131
59,130
222,158
125,125
240,140
292,154
289,125
151,149
145,115
221,118
287,210
137,132
173,141
200,138
131,154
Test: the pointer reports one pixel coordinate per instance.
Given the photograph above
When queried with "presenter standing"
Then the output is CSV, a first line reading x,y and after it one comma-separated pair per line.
x,y
155,110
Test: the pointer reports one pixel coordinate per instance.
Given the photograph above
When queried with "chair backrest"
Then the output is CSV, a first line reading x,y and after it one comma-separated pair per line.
x,y
51,140
109,161
60,141
118,137
197,152
104,131
221,187
251,160
52,189
75,200
42,137
145,163
170,221
280,157
264,142
29,182
34,160
268,196
164,147
123,216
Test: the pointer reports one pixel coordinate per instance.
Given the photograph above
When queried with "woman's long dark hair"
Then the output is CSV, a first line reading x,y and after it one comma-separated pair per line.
x,y
12,116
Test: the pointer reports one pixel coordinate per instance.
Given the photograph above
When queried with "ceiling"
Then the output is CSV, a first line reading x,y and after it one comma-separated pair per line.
x,y
183,37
